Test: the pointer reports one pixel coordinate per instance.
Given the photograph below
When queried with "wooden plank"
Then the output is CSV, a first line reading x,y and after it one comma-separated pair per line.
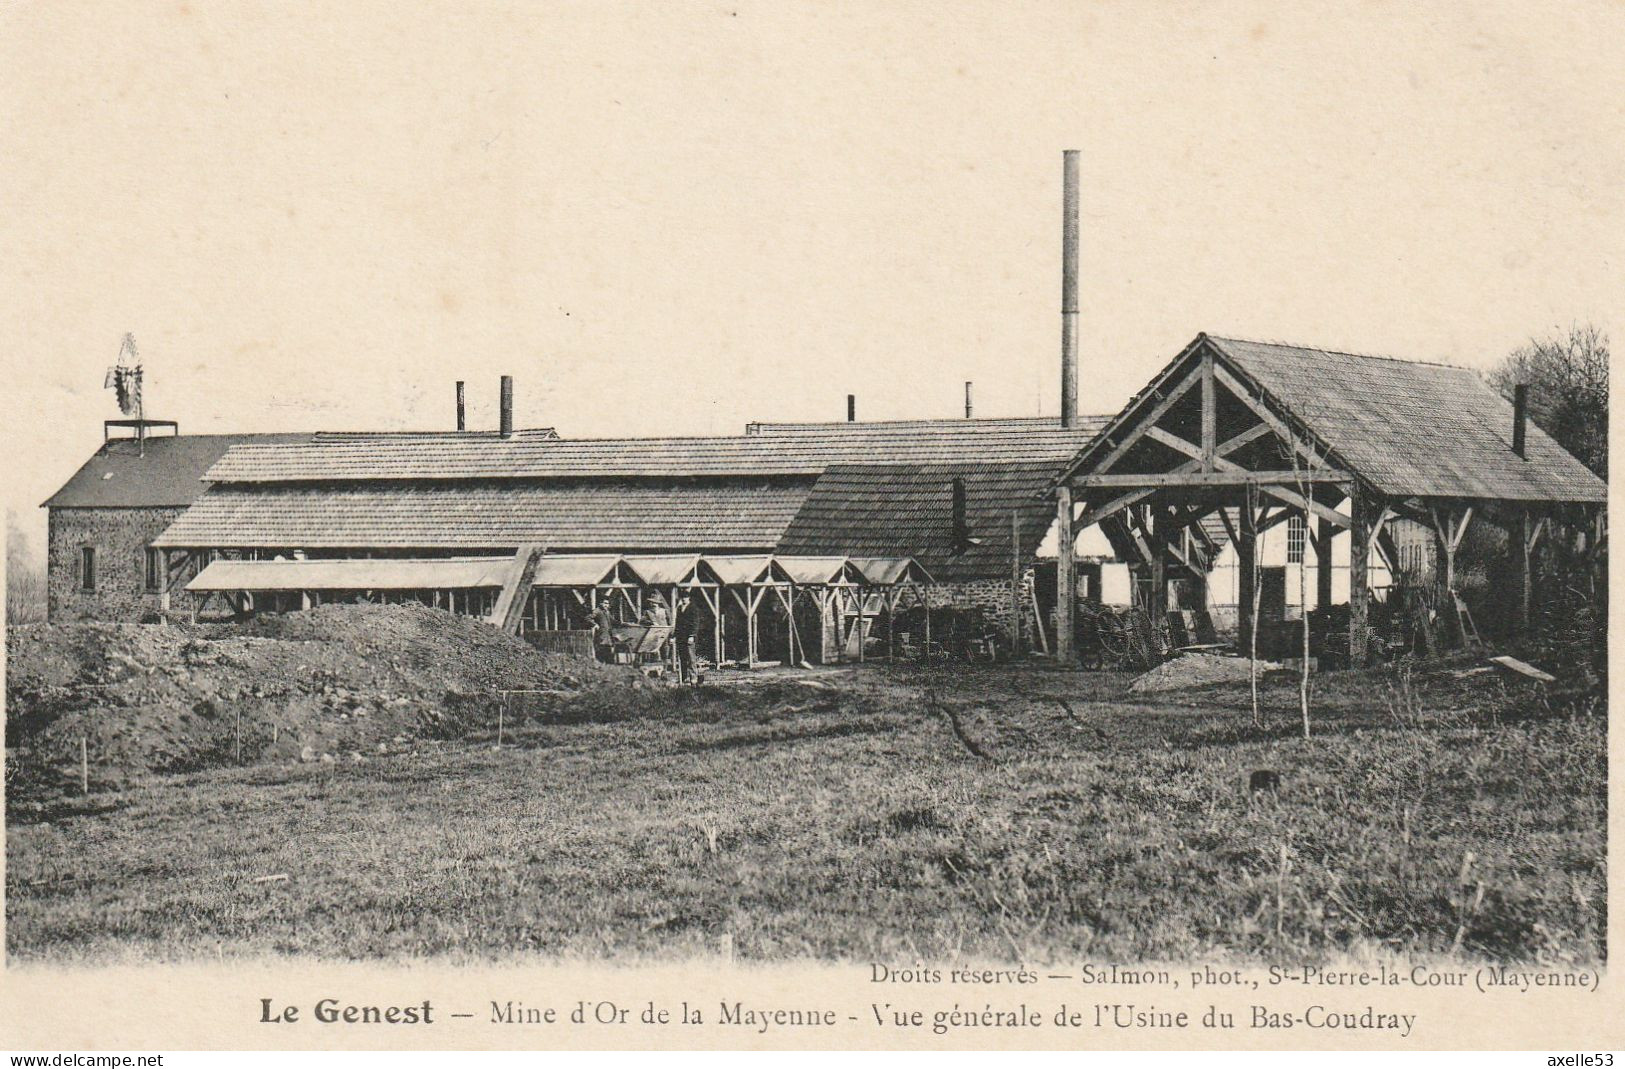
x,y
1523,668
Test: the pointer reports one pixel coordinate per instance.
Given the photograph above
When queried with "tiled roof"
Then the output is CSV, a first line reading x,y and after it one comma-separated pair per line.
x,y
713,515
908,427
166,475
1412,428
169,473
805,453
907,511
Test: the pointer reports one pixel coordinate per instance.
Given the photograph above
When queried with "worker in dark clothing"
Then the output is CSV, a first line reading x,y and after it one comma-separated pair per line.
x,y
683,634
603,634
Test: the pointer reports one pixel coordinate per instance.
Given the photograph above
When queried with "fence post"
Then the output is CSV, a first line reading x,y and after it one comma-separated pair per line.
x,y
84,765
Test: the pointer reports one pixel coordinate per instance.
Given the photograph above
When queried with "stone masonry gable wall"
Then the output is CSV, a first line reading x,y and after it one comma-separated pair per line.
x,y
120,537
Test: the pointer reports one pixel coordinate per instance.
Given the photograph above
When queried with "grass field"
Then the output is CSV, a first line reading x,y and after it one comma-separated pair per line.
x,y
851,819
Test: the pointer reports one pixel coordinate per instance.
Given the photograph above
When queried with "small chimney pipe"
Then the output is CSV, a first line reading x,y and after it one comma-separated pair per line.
x,y
462,422
851,408
967,401
1069,288
506,425
1520,416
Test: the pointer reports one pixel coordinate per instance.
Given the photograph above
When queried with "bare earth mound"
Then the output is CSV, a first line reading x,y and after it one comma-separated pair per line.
x,y
1197,670
334,683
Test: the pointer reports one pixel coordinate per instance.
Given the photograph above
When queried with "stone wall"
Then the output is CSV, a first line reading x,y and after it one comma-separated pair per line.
x,y
992,596
120,537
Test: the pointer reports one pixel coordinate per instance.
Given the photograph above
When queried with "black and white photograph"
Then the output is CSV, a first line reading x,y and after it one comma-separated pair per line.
x,y
1072,524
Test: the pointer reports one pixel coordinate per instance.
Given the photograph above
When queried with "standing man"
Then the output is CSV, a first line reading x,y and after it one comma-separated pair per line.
x,y
603,634
683,635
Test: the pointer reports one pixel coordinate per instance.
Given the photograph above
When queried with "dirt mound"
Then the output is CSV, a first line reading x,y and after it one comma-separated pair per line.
x,y
334,683
1197,670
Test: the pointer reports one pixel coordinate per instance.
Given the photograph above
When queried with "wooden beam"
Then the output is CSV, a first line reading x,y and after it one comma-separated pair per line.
x,y
1156,413
1359,582
1246,437
1461,528
1159,568
1065,576
1210,414
1232,477
1247,560
1308,504
1110,508
1278,425
1178,444
1324,533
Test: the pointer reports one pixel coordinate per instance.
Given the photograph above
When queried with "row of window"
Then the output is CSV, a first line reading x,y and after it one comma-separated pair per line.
x,y
153,567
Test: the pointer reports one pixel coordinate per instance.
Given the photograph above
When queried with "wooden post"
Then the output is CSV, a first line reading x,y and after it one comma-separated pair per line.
x,y
925,598
1359,583
237,735
1324,534
163,585
1247,565
1209,413
1528,534
84,765
1015,583
1159,567
1065,579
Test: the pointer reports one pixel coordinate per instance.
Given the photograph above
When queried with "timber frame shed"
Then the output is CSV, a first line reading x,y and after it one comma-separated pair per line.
x,y
1238,428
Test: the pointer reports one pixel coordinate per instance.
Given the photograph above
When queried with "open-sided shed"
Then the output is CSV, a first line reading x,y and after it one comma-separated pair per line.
x,y
1236,428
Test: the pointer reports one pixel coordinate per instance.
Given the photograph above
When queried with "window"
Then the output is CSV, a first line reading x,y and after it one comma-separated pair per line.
x,y
1297,533
87,568
155,569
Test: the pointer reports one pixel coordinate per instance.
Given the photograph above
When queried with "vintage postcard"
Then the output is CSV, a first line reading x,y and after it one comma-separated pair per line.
x,y
757,525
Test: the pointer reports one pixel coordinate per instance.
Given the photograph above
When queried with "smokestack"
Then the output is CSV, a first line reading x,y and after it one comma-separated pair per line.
x,y
1069,288
961,525
1520,415
462,424
851,408
967,401
506,425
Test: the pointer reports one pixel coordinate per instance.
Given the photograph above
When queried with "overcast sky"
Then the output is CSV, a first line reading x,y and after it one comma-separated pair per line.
x,y
676,218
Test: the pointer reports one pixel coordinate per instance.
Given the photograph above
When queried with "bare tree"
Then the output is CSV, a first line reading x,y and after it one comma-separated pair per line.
x,y
1568,395
25,576
1302,465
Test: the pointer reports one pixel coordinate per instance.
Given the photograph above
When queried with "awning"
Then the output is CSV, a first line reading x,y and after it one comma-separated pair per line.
x,y
815,571
666,570
889,571
374,574
741,571
576,571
